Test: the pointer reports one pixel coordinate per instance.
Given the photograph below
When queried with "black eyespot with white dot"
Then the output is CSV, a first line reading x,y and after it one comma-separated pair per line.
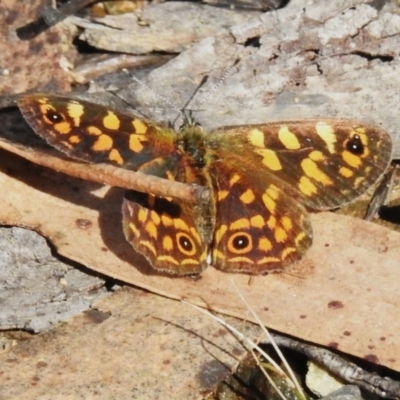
x,y
240,243
185,244
54,116
355,145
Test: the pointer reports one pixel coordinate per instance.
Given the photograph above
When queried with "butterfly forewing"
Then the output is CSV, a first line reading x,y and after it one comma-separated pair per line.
x,y
92,132
324,164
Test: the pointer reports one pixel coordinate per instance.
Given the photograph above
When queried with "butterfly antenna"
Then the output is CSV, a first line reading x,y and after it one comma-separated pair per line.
x,y
157,95
216,85
188,119
186,113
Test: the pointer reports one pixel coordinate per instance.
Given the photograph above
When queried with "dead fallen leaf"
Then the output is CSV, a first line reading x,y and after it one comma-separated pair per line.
x,y
137,346
343,294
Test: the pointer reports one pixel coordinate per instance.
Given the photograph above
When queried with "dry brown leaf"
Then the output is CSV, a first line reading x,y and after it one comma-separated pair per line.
x,y
137,346
343,294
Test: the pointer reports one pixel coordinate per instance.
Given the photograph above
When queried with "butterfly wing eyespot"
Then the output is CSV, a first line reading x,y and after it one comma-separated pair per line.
x,y
240,243
355,145
185,244
53,117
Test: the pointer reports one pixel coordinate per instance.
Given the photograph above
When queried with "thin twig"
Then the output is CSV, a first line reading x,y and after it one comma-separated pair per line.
x,y
113,176
346,370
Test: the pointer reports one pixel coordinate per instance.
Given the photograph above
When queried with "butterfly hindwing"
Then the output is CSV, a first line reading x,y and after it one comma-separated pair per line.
x,y
164,232
259,228
173,236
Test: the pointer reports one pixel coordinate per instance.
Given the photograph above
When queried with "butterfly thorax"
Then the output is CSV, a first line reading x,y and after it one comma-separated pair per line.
x,y
191,142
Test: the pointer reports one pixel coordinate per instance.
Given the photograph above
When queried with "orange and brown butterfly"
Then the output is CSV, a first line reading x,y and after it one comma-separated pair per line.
x,y
263,179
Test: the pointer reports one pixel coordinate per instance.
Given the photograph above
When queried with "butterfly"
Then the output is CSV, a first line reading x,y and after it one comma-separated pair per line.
x,y
263,179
